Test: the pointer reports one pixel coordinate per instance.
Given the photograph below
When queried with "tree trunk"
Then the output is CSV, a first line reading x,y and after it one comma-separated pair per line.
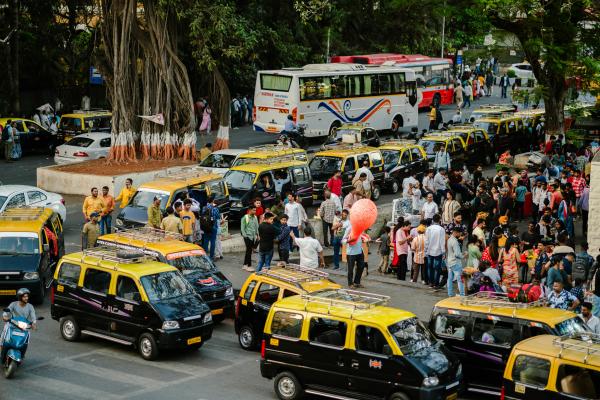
x,y
220,92
13,69
554,102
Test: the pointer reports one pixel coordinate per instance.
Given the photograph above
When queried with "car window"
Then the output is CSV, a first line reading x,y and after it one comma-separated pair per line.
x,y
288,293
327,331
416,154
451,326
405,158
492,331
349,165
531,371
533,329
362,158
457,144
371,340
32,126
69,274
35,196
579,382
267,294
287,324
96,280
376,158
479,136
512,126
249,290
390,158
105,142
300,175
127,289
80,141
20,127
17,200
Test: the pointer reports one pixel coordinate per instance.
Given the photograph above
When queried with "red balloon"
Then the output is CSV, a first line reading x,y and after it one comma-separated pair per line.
x,y
362,216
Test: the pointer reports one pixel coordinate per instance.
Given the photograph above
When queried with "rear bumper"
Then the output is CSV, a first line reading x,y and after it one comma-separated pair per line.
x,y
178,339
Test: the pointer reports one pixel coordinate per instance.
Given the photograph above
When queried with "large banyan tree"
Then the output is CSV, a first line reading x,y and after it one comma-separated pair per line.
x,y
145,76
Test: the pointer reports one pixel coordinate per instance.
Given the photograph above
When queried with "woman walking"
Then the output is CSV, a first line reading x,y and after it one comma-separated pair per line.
x,y
510,265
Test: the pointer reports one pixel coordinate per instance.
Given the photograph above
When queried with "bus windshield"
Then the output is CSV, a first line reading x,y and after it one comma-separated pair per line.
x,y
323,167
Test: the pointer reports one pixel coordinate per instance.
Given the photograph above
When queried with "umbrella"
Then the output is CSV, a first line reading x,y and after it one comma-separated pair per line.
x,y
563,250
46,107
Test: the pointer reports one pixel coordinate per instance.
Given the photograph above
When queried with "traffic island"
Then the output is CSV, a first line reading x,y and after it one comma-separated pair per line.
x,y
79,178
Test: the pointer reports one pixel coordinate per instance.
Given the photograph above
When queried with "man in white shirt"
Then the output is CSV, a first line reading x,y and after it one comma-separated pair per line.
x,y
429,208
440,184
590,320
406,183
368,184
428,186
292,210
281,179
435,250
311,252
479,232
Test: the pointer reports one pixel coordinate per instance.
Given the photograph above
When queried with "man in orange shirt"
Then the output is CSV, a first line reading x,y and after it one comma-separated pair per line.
x,y
109,206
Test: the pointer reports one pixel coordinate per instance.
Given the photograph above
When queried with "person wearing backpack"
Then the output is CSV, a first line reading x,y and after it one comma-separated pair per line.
x,y
8,140
209,222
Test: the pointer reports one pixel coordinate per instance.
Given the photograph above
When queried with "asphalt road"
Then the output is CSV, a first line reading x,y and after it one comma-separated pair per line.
x,y
95,369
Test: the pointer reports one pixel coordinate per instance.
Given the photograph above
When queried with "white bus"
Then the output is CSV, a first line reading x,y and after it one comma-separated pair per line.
x,y
324,96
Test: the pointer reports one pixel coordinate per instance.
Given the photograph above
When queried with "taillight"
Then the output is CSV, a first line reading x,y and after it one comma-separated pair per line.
x,y
295,113
262,349
80,154
52,295
253,113
237,306
502,393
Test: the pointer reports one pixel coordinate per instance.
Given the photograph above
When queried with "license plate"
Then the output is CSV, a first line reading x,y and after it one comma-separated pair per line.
x,y
453,396
218,311
194,340
315,196
8,292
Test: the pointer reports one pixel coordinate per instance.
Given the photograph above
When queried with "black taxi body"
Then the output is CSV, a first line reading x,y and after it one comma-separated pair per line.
x,y
347,158
256,178
478,144
452,143
481,330
190,259
401,159
353,133
129,299
506,133
32,136
264,288
31,243
346,344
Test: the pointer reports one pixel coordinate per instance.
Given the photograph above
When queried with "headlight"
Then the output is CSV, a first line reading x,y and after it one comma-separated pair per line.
x,y
459,370
31,275
207,318
236,204
229,291
431,381
170,325
119,222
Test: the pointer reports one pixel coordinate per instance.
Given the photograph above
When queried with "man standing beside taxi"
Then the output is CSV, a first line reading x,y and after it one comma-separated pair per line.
x,y
109,206
92,204
189,220
90,232
154,214
126,193
171,223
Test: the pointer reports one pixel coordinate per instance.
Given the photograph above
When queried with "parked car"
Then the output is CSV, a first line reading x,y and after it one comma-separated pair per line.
x,y
13,196
522,70
89,146
32,136
79,122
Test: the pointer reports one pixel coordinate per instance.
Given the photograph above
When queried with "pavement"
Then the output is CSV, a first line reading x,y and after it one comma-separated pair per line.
x,y
96,369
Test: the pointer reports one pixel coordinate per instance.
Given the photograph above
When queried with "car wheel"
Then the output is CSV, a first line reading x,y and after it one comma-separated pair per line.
x,y
376,193
247,338
395,186
69,329
399,396
287,386
147,347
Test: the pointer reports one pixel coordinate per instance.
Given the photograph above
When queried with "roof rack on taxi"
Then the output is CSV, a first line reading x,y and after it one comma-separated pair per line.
x,y
344,146
271,148
464,125
184,173
114,255
353,299
497,300
294,273
149,235
583,342
22,213
270,160
496,106
399,142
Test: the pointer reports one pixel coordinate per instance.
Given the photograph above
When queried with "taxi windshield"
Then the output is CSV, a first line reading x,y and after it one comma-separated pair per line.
x,y
240,180
165,285
218,161
411,335
489,127
428,145
571,326
189,265
390,158
325,166
144,199
19,243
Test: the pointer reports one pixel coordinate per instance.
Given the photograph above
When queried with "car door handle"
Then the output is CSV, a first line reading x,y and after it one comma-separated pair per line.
x,y
354,364
340,362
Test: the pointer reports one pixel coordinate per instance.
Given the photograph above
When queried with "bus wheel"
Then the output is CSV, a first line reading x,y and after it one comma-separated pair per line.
x,y
335,125
397,123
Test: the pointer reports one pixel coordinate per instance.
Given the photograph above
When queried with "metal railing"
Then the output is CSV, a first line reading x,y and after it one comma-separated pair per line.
x,y
114,255
344,298
294,274
22,213
399,142
497,300
583,342
345,146
148,234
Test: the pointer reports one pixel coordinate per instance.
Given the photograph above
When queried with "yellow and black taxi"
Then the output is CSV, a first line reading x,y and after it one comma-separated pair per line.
x,y
481,330
347,158
264,180
345,344
31,243
130,299
78,122
452,143
401,159
548,367
195,183
478,143
189,258
353,133
491,110
264,288
506,133
531,118
32,137
269,151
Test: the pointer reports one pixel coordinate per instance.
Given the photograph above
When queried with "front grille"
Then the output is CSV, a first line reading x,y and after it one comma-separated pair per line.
x,y
217,294
190,323
10,276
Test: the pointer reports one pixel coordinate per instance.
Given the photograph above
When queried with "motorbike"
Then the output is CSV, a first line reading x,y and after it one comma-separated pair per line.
x,y
17,337
294,138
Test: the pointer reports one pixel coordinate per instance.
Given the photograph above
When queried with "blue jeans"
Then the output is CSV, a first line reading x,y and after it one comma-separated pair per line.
x,y
105,224
434,269
596,309
264,259
337,248
455,271
210,239
425,271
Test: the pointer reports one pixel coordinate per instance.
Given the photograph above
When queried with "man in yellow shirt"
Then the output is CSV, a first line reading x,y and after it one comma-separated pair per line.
x,y
126,193
205,152
188,219
432,117
171,223
154,214
109,206
92,204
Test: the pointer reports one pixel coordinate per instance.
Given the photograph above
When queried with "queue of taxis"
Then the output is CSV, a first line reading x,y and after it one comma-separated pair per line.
x,y
452,143
401,159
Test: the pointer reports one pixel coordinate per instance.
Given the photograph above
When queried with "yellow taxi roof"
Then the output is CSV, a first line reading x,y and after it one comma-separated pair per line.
x,y
257,168
377,315
343,151
498,119
308,279
163,247
87,114
137,269
24,219
4,119
171,184
550,316
441,136
547,345
398,144
263,152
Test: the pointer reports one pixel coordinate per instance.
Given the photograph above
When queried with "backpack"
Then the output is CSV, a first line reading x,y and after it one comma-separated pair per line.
x,y
5,133
581,267
207,221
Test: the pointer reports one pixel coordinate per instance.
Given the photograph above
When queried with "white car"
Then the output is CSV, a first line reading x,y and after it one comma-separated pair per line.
x,y
522,70
13,196
88,146
220,161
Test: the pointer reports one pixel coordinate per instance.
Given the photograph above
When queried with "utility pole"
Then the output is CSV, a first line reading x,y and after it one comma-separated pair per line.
x,y
327,51
443,29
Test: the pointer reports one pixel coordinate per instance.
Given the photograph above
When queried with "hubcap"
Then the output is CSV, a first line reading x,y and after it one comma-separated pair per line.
x,y
246,337
146,346
375,193
395,187
287,387
69,329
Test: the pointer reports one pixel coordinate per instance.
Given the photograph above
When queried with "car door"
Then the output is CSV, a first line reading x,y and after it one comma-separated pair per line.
x,y
94,299
403,169
102,150
502,138
23,136
453,327
377,166
57,228
36,198
37,136
263,298
348,172
459,155
302,183
266,194
481,144
419,162
126,307
217,188
530,378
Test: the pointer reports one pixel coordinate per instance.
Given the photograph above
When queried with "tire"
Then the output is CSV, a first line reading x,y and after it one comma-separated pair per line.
x,y
376,193
397,123
395,186
69,329
334,125
287,386
10,369
399,396
247,338
147,347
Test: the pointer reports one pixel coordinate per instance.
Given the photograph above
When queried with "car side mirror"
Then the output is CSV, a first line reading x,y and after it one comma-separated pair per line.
x,y
46,248
387,350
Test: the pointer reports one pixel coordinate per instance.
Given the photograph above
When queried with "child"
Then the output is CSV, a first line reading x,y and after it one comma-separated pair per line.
x,y
283,239
384,249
